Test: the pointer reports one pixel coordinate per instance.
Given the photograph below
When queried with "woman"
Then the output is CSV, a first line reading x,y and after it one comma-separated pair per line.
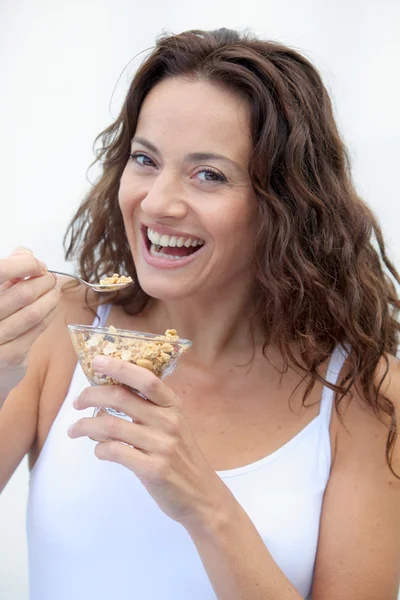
x,y
240,477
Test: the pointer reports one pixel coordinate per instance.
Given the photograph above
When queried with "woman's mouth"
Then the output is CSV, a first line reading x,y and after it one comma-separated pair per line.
x,y
166,251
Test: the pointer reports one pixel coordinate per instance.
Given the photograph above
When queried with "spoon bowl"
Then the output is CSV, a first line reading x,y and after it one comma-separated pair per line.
x,y
97,287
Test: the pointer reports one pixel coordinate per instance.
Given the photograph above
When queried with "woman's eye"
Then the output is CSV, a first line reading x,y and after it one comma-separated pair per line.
x,y
211,175
136,156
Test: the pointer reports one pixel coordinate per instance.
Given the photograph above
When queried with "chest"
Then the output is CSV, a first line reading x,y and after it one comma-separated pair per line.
x,y
241,420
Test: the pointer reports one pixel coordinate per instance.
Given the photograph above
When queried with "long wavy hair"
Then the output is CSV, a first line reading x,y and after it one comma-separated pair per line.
x,y
318,279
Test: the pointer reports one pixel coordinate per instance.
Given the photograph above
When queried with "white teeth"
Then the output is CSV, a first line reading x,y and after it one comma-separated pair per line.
x,y
164,240
154,252
171,240
153,236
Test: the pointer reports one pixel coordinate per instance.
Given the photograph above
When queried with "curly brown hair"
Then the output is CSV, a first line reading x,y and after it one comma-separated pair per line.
x,y
319,281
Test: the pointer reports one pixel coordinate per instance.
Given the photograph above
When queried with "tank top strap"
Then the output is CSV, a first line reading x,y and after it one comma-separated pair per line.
x,y
103,311
335,366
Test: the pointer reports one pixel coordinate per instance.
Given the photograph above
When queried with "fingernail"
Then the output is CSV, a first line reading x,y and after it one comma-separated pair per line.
x,y
70,430
44,267
99,362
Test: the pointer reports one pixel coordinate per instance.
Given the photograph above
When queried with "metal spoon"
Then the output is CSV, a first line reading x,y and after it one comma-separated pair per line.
x,y
110,287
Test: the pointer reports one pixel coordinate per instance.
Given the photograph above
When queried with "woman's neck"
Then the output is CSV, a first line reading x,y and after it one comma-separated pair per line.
x,y
216,326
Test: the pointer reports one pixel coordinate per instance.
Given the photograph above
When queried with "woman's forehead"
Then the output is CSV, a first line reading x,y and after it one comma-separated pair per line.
x,y
197,113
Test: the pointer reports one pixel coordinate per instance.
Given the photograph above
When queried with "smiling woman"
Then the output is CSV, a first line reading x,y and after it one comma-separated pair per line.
x,y
185,197
267,465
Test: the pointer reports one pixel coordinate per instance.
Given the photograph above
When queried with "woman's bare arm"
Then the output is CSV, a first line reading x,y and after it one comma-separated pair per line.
x,y
19,414
359,548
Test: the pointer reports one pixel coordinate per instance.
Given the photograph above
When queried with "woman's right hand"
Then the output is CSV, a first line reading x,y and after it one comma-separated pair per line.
x,y
27,306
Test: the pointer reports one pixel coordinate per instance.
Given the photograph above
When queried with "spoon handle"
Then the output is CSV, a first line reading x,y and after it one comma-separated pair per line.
x,y
67,274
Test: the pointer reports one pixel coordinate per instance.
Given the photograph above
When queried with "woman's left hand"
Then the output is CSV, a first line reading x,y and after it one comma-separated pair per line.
x,y
162,451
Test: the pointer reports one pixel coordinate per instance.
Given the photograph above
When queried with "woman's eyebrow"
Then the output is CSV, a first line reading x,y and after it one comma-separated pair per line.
x,y
193,156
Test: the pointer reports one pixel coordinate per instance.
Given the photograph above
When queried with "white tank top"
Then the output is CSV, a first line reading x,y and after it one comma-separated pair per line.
x,y
95,533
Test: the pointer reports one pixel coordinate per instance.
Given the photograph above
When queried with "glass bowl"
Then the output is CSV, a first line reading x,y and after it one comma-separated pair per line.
x,y
158,353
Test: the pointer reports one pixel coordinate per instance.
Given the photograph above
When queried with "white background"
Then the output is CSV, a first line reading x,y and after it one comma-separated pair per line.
x,y
60,63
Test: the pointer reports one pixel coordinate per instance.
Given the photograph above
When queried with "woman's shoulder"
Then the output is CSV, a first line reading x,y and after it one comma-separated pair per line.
x,y
361,431
55,352
389,366
356,410
78,303
54,357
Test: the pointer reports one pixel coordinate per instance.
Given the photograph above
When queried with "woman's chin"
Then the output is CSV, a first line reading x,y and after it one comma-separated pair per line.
x,y
163,290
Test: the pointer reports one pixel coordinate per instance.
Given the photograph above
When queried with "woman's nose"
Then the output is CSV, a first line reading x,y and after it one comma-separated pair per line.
x,y
164,199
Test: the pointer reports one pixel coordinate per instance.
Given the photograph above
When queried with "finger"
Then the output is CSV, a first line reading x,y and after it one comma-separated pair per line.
x,y
138,378
20,265
113,428
17,250
131,458
24,293
7,285
28,317
120,398
16,351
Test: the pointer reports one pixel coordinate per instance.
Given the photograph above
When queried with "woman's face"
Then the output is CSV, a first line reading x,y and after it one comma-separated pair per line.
x,y
174,191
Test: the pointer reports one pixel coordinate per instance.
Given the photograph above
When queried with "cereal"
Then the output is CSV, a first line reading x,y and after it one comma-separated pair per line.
x,y
115,280
146,364
154,354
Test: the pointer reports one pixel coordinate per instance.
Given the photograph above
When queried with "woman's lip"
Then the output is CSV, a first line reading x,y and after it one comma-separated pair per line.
x,y
165,263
